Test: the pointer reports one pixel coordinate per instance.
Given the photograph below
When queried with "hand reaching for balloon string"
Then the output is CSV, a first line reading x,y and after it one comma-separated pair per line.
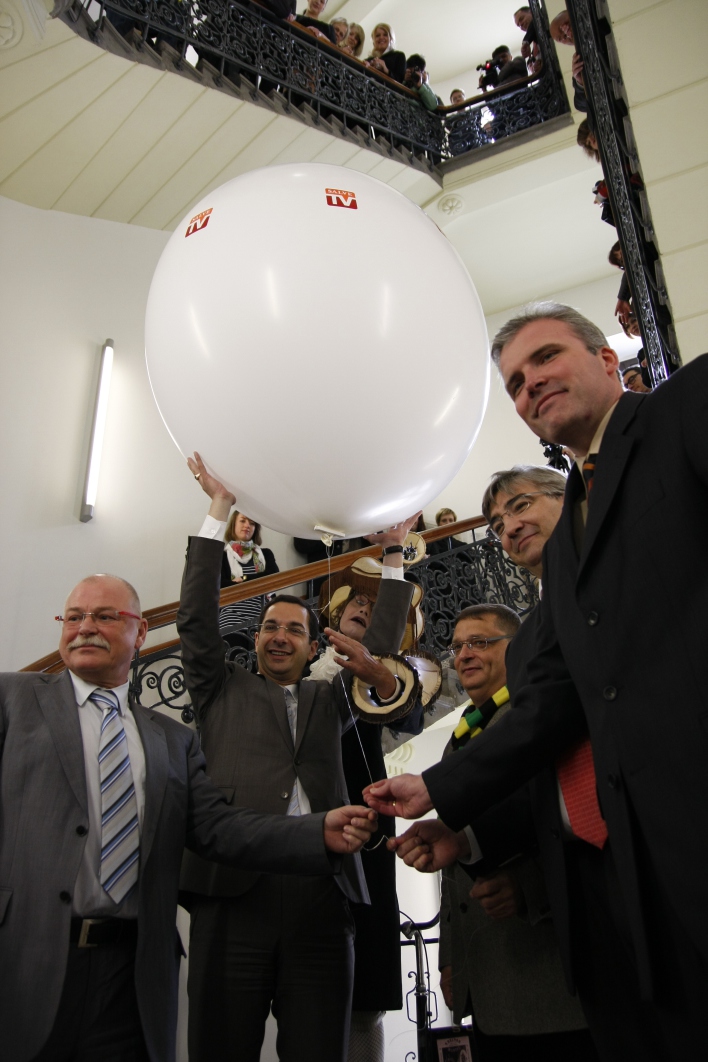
x,y
405,795
222,499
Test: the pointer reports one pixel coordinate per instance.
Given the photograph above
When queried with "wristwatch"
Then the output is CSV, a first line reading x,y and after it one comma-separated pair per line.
x,y
391,549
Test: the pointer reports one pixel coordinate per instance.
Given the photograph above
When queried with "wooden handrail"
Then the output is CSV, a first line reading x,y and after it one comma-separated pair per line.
x,y
165,615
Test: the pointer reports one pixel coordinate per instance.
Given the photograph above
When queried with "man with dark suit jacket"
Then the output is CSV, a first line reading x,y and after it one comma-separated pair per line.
x,y
498,956
98,798
273,743
622,612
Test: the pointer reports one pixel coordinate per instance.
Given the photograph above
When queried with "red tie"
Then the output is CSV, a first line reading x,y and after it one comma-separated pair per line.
x,y
576,774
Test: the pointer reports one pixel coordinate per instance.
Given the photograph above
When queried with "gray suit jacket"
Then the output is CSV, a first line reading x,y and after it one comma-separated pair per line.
x,y
244,726
508,974
43,819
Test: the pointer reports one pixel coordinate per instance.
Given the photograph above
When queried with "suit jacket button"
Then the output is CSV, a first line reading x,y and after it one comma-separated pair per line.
x,y
65,896
284,796
593,619
555,833
609,693
463,907
81,830
297,762
613,781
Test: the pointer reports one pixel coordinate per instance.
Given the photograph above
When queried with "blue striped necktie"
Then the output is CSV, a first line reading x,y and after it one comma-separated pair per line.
x,y
120,838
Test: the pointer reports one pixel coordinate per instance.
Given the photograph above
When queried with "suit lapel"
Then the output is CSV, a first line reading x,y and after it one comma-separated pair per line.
x,y
612,460
58,703
305,700
277,700
156,770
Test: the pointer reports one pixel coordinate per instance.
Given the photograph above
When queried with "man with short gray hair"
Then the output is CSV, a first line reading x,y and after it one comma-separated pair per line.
x,y
640,476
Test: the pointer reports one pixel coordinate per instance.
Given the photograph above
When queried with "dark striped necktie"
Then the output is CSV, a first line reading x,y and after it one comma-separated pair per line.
x,y
120,837
589,471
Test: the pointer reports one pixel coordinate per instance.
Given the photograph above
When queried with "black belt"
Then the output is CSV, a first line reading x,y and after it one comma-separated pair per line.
x,y
102,932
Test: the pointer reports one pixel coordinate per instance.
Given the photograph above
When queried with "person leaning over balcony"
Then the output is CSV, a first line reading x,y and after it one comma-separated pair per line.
x,y
341,29
524,21
457,98
273,742
99,796
245,558
442,517
416,78
383,57
312,22
355,40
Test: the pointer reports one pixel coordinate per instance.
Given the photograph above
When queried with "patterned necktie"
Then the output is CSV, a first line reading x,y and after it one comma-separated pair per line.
x,y
291,708
589,471
120,839
576,774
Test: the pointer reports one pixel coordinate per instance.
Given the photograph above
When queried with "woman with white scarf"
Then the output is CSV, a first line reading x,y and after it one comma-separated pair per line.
x,y
244,559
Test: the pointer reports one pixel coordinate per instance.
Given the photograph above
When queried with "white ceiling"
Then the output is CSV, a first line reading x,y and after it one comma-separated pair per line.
x,y
89,132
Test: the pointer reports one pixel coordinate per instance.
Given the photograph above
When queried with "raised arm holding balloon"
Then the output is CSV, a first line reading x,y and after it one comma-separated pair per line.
x,y
273,742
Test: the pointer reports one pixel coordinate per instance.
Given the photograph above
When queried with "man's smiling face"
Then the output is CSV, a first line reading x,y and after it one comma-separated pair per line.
x,y
282,654
525,535
560,389
481,673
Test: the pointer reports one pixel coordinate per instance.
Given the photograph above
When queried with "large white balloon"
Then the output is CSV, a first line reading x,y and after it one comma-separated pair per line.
x,y
317,339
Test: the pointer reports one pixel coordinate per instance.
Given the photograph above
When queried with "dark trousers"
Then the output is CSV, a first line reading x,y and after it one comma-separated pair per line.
x,y
97,1019
287,943
674,1026
574,1045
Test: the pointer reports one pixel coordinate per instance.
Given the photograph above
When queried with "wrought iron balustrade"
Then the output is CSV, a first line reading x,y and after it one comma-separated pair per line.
x,y
281,64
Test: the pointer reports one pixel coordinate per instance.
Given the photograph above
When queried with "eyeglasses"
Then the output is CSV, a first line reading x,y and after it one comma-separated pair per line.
x,y
516,507
105,617
360,600
476,645
295,630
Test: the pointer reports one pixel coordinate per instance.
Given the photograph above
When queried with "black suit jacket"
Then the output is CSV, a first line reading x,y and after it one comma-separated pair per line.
x,y
620,649
244,726
43,824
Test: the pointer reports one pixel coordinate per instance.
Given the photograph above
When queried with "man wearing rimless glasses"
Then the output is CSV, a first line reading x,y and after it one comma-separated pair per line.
x,y
273,743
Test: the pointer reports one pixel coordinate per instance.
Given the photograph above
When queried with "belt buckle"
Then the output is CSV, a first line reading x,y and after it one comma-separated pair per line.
x,y
86,924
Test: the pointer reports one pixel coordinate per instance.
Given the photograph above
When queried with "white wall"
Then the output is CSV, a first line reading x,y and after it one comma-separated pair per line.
x,y
66,284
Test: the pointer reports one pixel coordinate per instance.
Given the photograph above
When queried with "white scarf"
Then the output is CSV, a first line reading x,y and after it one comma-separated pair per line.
x,y
250,552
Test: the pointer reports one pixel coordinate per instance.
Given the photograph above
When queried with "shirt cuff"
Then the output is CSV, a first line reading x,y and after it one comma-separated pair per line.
x,y
397,693
389,572
212,528
475,851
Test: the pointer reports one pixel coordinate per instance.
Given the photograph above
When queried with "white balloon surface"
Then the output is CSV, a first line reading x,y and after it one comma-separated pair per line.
x,y
312,333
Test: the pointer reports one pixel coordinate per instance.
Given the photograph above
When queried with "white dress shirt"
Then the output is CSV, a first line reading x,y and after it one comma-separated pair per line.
x,y
90,899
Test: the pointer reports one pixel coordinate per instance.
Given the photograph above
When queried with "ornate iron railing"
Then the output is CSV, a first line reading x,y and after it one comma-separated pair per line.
x,y
609,110
504,112
279,64
464,575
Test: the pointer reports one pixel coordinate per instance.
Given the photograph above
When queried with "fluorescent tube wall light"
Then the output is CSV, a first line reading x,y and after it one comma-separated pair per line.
x,y
100,412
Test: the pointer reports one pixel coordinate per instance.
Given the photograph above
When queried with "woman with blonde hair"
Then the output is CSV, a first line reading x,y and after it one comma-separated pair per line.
x,y
353,43
244,558
341,29
383,58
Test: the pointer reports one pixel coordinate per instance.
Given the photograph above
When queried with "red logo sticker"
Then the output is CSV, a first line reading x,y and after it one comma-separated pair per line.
x,y
337,197
199,221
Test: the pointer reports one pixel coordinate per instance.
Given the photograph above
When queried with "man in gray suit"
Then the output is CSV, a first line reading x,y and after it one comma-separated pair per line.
x,y
499,957
273,743
98,797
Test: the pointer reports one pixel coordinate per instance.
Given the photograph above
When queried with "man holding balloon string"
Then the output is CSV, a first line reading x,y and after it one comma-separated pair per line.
x,y
274,743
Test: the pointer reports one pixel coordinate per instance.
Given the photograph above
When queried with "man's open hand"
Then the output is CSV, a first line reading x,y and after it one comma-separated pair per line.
x,y
362,664
209,484
396,535
347,829
429,846
405,795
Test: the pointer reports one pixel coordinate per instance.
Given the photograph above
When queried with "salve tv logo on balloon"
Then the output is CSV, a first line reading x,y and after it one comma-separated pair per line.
x,y
198,222
339,198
